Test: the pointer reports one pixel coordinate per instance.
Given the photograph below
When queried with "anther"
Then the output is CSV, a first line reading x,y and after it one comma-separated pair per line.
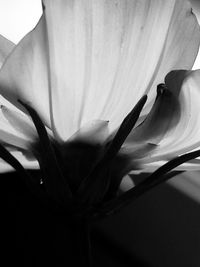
x,y
161,88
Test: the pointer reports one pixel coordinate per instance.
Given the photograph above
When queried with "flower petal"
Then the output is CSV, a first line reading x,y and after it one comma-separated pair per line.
x,y
20,122
94,59
16,128
11,136
94,132
164,115
6,47
185,136
138,151
108,42
25,74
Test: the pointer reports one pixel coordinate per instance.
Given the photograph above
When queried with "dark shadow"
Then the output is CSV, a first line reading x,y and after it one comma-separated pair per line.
x,y
160,229
30,238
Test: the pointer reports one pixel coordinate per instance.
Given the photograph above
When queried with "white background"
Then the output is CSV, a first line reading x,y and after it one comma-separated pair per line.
x,y
17,17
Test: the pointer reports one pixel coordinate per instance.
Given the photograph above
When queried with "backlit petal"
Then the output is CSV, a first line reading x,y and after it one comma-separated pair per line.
x,y
94,59
25,73
118,49
6,47
163,116
185,136
10,135
20,122
94,132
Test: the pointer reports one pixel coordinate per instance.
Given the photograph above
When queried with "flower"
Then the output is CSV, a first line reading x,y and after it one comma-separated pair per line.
x,y
85,66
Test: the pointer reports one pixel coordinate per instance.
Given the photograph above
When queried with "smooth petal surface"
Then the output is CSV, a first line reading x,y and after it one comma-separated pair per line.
x,y
10,131
94,59
20,122
7,134
185,136
25,74
6,47
164,115
94,132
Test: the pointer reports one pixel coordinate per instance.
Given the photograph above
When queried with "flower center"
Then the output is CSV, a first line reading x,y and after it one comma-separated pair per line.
x,y
78,159
87,173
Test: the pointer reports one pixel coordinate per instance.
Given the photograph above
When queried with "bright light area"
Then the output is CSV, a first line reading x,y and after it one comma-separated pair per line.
x,y
18,17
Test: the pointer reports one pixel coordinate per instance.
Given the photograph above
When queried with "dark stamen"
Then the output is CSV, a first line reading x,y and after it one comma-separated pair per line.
x,y
92,183
56,185
28,180
125,129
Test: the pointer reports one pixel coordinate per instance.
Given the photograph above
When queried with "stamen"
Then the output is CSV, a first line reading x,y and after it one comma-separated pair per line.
x,y
93,195
28,180
92,183
53,178
124,129
161,88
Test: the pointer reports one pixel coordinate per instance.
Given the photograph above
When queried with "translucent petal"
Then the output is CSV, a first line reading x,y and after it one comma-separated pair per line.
x,y
117,57
25,74
16,128
138,150
10,135
185,136
93,59
20,122
95,132
163,116
6,47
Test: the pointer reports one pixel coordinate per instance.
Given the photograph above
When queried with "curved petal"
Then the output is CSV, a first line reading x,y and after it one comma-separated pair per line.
x,y
11,135
94,59
185,136
108,42
24,76
163,116
16,128
6,47
20,122
94,132
138,151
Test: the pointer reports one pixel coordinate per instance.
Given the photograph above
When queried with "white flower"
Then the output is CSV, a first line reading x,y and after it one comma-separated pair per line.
x,y
86,65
